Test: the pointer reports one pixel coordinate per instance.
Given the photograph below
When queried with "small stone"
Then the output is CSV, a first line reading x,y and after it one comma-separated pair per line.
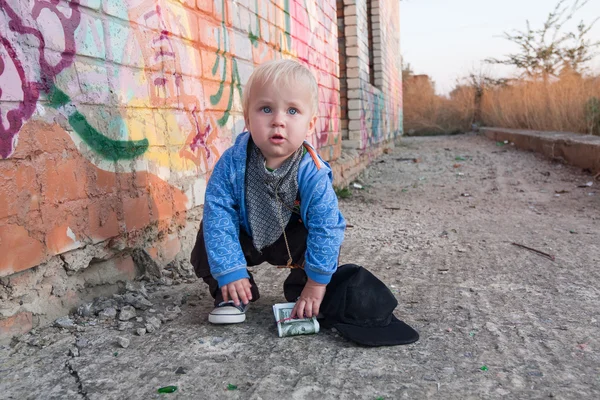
x,y
102,303
137,287
64,322
216,340
82,343
74,352
140,331
137,300
154,321
192,303
108,313
124,325
139,319
124,342
180,371
150,328
85,310
127,312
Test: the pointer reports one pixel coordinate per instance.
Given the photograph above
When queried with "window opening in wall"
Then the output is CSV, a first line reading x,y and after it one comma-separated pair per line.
x,y
370,38
343,82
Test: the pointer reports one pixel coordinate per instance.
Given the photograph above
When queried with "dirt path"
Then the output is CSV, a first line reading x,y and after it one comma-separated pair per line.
x,y
496,320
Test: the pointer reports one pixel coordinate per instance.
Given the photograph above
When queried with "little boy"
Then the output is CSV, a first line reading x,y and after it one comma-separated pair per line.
x,y
270,199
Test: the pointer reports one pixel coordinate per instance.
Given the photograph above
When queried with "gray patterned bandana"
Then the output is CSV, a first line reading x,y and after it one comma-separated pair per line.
x,y
263,208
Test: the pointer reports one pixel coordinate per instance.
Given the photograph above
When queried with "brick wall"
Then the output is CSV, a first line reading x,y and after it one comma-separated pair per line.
x,y
374,97
113,113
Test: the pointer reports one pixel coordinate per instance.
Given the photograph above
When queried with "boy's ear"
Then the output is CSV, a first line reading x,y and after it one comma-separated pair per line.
x,y
312,124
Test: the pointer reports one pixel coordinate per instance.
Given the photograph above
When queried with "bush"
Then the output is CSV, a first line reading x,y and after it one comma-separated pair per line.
x,y
564,104
426,113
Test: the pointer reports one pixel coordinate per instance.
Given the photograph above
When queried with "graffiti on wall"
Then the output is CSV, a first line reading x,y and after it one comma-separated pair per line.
x,y
302,29
19,83
169,66
153,89
32,85
299,29
381,112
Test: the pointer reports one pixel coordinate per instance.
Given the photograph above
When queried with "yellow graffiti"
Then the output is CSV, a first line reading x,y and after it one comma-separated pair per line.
x,y
178,118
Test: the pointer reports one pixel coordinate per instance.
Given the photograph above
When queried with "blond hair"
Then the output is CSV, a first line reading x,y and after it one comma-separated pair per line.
x,y
281,72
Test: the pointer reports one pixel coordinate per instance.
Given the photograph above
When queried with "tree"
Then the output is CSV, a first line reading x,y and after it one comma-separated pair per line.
x,y
546,51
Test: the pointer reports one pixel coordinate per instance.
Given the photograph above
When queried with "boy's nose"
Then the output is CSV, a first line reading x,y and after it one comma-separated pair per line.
x,y
278,120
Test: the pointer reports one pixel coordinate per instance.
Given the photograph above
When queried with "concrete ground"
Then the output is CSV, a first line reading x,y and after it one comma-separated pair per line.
x,y
435,219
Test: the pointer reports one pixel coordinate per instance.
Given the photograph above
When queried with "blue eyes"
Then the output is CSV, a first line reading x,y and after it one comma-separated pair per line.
x,y
268,110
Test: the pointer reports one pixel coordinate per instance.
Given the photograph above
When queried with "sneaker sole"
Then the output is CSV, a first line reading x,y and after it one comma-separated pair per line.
x,y
226,319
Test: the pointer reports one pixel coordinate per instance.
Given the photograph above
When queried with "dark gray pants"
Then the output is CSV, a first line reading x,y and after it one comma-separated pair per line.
x,y
274,254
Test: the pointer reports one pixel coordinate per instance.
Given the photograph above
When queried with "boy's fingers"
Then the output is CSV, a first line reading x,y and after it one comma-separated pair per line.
x,y
247,288
308,310
241,292
225,293
316,310
300,308
234,295
294,313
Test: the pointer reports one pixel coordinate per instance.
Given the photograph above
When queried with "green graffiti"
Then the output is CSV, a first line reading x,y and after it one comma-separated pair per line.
x,y
378,104
288,24
57,98
254,38
236,82
110,149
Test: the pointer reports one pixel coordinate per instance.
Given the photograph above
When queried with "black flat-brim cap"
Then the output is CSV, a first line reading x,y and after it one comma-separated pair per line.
x,y
393,334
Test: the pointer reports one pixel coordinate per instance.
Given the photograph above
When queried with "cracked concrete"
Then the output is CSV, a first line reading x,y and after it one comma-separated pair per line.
x,y
496,321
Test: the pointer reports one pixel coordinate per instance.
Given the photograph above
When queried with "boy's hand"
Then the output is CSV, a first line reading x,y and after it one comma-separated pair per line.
x,y
237,290
310,300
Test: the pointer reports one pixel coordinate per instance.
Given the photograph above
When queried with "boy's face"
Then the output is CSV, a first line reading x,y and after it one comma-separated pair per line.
x,y
279,118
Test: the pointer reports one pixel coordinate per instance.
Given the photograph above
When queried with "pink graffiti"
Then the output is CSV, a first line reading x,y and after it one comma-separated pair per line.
x,y
31,89
200,139
307,33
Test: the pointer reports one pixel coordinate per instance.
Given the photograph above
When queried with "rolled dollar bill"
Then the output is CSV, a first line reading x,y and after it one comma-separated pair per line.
x,y
286,326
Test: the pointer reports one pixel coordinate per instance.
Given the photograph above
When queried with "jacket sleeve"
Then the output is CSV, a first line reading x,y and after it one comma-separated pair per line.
x,y
222,225
326,227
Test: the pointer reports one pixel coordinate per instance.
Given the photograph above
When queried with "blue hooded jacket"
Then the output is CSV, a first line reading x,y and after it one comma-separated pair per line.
x,y
225,213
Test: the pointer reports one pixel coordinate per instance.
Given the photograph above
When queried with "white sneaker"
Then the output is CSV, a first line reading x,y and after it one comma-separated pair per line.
x,y
228,313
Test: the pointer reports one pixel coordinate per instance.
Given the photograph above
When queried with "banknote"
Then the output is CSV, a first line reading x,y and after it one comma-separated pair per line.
x,y
286,326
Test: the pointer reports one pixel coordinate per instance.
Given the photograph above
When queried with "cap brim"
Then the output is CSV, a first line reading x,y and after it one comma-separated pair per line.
x,y
395,333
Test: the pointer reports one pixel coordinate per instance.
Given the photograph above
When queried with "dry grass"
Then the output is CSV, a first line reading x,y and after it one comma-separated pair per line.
x,y
571,104
425,113
564,105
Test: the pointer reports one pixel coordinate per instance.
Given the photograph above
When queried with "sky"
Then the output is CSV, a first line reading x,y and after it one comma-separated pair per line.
x,y
449,39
